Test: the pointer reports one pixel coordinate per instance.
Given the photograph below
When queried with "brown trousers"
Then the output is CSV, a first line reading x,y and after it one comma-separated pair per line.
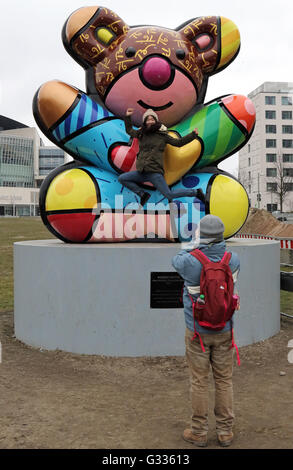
x,y
218,356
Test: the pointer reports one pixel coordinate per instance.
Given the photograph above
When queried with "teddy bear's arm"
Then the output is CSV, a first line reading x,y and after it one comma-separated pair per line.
x,y
79,125
224,126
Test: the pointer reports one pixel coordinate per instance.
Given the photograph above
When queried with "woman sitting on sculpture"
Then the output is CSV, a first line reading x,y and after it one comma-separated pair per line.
x,y
153,137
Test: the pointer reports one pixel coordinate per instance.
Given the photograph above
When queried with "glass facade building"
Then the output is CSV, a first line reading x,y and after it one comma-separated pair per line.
x,y
24,164
49,158
16,162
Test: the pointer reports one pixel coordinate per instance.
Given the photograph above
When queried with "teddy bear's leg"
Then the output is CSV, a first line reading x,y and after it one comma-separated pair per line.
x,y
225,197
224,126
87,204
78,124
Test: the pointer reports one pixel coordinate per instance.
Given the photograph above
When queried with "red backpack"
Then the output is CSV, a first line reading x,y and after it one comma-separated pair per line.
x,y
217,286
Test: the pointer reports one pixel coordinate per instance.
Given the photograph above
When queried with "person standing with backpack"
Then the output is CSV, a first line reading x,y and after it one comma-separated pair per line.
x,y
209,274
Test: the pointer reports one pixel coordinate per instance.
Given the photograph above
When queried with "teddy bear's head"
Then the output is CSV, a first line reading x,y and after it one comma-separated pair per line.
x,y
145,67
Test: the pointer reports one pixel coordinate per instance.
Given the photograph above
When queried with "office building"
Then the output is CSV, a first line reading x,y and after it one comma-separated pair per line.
x,y
266,162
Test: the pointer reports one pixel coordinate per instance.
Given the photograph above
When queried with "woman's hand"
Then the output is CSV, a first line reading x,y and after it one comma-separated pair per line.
x,y
195,130
129,111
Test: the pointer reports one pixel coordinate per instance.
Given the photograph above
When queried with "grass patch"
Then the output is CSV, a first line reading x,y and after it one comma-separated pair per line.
x,y
15,230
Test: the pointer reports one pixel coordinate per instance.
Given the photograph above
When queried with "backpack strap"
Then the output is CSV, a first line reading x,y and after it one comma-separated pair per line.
x,y
200,256
226,258
196,332
203,259
234,345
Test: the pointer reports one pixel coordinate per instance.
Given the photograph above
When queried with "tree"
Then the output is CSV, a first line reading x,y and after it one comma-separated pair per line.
x,y
283,181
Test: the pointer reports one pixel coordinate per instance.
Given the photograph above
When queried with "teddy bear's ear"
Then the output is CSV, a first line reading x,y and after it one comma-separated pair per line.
x,y
216,40
89,32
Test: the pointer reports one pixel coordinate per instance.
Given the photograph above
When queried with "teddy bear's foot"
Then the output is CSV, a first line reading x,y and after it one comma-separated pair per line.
x,y
68,197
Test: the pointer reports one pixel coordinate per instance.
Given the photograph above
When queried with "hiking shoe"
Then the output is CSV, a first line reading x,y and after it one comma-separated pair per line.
x,y
144,198
198,440
200,195
225,440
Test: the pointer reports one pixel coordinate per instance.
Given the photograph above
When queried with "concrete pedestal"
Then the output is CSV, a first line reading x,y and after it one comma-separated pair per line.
x,y
95,299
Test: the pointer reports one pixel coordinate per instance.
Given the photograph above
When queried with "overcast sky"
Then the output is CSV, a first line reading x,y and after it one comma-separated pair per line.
x,y
32,51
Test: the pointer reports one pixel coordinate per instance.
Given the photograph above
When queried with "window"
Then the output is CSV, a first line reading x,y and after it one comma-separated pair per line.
x,y
270,100
288,157
271,157
270,114
272,207
287,129
271,129
248,148
272,187
287,171
288,186
271,143
288,143
286,114
249,188
272,172
249,161
286,100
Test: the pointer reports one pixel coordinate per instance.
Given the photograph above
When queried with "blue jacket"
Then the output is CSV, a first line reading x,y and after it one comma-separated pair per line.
x,y
190,268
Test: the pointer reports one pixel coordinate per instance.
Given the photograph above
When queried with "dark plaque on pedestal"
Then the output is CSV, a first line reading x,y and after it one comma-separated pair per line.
x,y
166,290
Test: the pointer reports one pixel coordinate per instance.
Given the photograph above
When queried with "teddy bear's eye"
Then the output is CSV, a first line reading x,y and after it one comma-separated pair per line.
x,y
180,54
130,52
104,35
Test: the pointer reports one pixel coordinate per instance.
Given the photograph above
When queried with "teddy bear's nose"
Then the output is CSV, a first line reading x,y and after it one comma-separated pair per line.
x,y
156,71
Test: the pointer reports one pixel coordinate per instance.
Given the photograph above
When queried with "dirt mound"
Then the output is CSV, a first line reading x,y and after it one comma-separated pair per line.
x,y
261,222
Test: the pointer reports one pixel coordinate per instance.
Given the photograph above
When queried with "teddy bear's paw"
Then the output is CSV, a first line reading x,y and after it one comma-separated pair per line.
x,y
242,109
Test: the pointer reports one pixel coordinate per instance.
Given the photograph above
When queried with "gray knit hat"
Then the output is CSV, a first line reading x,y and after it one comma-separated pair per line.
x,y
211,229
150,112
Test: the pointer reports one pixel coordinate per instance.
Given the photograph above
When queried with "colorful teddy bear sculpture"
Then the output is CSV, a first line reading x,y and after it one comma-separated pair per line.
x,y
141,67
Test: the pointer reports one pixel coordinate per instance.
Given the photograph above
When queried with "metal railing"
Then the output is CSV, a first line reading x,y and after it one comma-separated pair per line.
x,y
286,243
